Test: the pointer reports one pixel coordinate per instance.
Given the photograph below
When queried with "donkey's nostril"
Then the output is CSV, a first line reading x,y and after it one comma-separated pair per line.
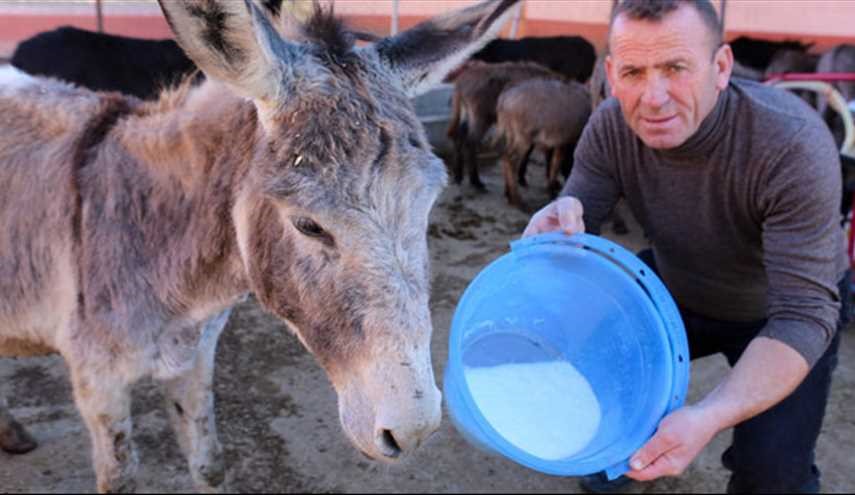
x,y
388,445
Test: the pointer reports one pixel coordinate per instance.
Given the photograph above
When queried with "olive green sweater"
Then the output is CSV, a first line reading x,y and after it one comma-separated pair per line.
x,y
743,217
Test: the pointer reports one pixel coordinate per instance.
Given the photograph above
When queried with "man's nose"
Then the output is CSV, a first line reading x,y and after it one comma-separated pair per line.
x,y
655,91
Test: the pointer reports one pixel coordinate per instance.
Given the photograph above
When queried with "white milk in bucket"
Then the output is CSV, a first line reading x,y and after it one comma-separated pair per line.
x,y
547,409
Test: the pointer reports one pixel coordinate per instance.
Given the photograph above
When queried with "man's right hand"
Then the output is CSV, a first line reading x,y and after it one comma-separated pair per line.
x,y
564,214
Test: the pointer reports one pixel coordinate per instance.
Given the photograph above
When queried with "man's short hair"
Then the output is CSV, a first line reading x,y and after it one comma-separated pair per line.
x,y
655,10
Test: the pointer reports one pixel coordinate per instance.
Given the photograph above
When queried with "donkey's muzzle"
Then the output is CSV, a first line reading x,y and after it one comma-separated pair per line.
x,y
387,445
397,435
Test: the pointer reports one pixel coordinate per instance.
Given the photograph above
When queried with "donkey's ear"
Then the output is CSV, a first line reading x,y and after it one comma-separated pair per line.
x,y
233,41
426,53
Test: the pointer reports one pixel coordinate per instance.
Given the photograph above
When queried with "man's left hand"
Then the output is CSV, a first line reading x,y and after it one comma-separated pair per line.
x,y
678,440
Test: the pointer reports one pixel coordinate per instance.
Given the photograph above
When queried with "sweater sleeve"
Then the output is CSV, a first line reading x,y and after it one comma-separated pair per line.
x,y
802,243
593,179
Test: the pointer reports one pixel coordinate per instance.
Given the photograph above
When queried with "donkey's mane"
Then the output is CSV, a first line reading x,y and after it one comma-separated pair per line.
x,y
327,30
172,97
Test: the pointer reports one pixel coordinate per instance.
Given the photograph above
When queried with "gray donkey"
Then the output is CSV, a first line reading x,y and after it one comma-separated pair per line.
x,y
298,171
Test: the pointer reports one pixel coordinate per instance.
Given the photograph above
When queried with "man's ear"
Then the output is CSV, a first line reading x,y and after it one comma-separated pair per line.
x,y
610,77
724,66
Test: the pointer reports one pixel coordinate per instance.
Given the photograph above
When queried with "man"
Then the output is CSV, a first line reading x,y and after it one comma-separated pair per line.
x,y
737,186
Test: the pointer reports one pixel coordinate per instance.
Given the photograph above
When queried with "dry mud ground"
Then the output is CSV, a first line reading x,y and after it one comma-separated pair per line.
x,y
277,412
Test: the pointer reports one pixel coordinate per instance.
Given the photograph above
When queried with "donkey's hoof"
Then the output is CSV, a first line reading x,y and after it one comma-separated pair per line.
x,y
212,478
16,440
518,204
127,485
620,228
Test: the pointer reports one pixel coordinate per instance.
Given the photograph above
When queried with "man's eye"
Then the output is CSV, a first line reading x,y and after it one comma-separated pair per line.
x,y
308,227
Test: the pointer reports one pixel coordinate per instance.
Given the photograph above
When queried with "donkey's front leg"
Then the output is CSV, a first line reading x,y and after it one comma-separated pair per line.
x,y
14,439
104,400
190,403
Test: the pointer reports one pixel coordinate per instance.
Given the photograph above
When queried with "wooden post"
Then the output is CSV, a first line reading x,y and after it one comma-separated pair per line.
x,y
394,28
99,16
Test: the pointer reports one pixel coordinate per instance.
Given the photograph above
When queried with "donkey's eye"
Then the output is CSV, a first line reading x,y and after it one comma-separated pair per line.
x,y
308,227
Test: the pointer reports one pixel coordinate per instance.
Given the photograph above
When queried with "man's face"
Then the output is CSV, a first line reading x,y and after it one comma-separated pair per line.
x,y
666,75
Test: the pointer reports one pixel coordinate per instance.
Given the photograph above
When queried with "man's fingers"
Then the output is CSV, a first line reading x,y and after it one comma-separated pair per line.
x,y
545,220
662,466
540,222
570,215
564,214
680,437
655,448
652,460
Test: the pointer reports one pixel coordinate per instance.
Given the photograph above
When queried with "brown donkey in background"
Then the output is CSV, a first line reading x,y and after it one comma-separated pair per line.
x,y
298,171
473,107
543,114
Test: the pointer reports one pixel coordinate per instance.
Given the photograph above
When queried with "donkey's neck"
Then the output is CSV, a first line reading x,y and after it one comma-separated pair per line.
x,y
192,159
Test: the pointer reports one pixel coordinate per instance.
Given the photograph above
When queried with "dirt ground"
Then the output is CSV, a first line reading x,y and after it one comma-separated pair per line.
x,y
277,413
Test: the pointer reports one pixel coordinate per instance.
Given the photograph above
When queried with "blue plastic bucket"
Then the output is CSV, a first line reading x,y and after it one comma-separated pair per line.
x,y
564,355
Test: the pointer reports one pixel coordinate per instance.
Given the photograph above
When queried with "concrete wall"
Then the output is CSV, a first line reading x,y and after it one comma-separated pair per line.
x,y
829,18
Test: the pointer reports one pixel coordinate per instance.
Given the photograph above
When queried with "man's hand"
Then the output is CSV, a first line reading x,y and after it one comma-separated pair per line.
x,y
563,214
767,372
680,437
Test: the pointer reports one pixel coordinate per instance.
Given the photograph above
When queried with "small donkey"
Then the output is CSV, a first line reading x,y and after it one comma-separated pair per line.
x,y
477,87
297,171
547,114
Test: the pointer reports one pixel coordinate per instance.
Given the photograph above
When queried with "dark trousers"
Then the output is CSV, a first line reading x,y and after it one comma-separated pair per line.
x,y
774,451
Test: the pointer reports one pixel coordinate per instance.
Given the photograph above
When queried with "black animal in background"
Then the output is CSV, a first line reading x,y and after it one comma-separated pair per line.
x,y
107,62
104,62
571,56
757,54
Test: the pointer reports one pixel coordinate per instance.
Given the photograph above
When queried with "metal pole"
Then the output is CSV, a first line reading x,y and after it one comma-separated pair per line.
x,y
723,9
515,25
394,29
99,16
